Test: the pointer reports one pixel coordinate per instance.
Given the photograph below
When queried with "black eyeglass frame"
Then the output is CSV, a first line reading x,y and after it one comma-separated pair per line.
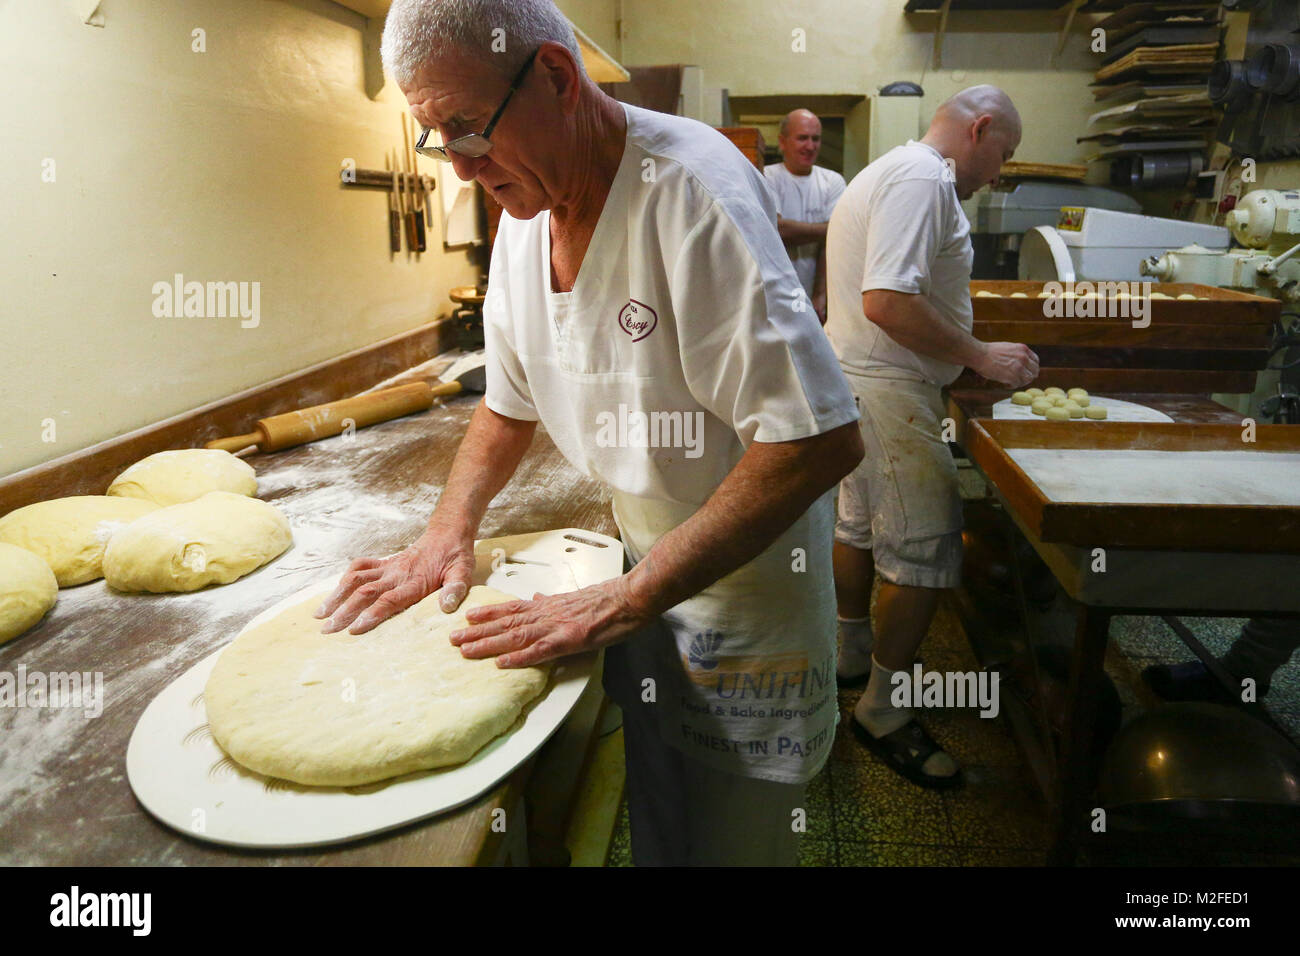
x,y
460,143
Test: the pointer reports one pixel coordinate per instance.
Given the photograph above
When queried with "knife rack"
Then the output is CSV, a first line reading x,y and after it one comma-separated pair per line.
x,y
383,179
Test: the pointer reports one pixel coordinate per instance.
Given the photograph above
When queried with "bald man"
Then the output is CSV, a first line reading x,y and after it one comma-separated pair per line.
x,y
899,263
805,194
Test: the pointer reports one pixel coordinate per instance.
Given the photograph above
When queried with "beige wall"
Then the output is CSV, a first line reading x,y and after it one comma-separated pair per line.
x,y
597,19
856,47
221,166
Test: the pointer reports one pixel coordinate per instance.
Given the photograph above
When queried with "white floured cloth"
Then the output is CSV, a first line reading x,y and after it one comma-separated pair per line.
x,y
903,501
900,226
679,345
808,198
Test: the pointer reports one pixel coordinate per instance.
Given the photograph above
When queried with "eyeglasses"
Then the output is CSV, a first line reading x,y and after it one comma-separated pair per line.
x,y
473,145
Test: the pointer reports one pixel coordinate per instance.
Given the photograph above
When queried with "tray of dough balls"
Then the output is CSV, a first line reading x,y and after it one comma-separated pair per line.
x,y
1059,404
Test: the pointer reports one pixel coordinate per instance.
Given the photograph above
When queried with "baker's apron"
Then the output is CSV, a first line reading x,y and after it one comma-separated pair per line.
x,y
742,675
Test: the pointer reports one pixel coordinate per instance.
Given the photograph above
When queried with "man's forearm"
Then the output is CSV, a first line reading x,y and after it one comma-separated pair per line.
x,y
763,495
488,455
792,230
912,322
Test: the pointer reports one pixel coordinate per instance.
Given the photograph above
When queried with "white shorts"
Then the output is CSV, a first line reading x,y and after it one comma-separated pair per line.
x,y
903,502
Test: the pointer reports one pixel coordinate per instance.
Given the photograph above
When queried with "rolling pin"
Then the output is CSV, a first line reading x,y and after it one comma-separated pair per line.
x,y
323,421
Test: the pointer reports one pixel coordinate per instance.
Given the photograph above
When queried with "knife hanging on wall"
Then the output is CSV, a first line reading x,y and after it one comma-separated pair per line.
x,y
394,217
416,205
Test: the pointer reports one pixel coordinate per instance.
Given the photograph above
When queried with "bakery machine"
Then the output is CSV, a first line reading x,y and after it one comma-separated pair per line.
x,y
1004,215
1266,224
1090,243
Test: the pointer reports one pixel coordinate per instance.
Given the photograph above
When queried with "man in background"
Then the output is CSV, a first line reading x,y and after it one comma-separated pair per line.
x,y
805,194
900,256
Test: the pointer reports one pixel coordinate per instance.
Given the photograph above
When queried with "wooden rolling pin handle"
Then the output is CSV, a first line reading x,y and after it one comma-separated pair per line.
x,y
447,388
322,421
236,442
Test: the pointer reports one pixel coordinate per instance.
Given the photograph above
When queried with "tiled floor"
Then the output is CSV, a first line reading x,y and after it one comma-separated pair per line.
x,y
860,813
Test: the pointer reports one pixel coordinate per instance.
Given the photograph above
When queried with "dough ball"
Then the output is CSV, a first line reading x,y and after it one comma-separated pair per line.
x,y
173,477
1053,390
1186,297
1096,412
1076,392
1034,392
70,534
215,540
986,294
1058,401
27,590
1040,406
1056,414
1019,295
1044,295
1160,295
1075,411
274,700
1022,398
1083,401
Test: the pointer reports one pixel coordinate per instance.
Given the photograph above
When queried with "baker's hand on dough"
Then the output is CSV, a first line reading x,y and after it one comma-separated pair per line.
x,y
1010,363
524,633
374,589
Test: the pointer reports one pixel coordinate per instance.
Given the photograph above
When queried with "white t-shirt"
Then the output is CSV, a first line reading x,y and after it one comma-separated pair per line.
x,y
808,198
685,339
900,226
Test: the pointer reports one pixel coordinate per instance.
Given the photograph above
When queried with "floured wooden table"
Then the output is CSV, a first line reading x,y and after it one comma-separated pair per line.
x,y
64,797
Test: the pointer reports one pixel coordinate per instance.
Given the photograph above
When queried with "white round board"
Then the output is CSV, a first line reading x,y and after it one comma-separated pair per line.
x,y
185,780
1117,410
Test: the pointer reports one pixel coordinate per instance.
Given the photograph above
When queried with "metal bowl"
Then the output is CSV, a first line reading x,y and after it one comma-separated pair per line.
x,y
1201,764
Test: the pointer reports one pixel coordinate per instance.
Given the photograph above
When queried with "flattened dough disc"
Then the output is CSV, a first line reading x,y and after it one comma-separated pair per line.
x,y
341,710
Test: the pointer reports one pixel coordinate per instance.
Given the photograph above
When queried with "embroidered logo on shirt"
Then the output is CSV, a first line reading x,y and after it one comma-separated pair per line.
x,y
637,319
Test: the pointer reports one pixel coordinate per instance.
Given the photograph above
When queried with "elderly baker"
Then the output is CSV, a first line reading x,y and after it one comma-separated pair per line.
x,y
638,270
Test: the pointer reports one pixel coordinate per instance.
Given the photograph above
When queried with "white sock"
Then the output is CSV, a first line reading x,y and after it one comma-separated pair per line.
x,y
874,710
880,717
856,643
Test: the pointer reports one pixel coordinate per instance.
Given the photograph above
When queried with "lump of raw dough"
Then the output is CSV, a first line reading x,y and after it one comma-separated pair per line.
x,y
1057,414
1058,401
986,294
27,590
1040,406
1035,392
1160,295
275,704
1187,297
215,540
1019,295
70,534
1022,398
1074,409
1096,412
173,477
1053,390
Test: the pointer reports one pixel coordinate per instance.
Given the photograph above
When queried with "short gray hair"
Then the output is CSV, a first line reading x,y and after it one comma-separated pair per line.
x,y
419,30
